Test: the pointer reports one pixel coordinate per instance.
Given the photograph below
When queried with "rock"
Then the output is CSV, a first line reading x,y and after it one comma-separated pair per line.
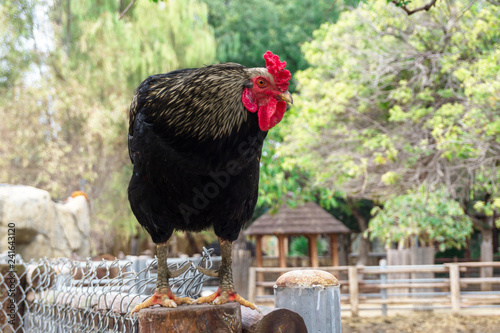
x,y
44,228
74,219
271,320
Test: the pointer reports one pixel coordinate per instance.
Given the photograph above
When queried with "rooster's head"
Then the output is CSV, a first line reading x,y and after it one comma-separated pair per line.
x,y
267,91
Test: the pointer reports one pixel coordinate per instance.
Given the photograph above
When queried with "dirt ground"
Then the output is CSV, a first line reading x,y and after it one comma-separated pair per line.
x,y
423,322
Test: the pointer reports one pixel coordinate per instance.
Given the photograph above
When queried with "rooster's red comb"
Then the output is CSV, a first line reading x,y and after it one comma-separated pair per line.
x,y
277,69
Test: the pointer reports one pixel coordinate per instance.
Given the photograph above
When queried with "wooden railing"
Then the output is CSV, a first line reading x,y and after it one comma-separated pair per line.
x,y
453,285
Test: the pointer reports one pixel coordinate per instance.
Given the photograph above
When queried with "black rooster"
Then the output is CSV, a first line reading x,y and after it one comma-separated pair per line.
x,y
195,139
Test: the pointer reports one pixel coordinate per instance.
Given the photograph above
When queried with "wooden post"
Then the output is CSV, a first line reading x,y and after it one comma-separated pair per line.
x,y
242,260
314,295
192,318
251,284
383,280
281,250
454,287
334,249
353,290
313,250
258,250
258,253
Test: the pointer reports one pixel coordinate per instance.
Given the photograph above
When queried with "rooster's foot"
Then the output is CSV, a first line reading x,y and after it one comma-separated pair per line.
x,y
224,296
166,299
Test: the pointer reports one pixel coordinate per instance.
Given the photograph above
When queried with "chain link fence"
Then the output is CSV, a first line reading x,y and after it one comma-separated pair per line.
x,y
61,295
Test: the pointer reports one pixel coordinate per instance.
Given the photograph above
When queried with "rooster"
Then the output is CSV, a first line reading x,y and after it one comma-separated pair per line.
x,y
195,139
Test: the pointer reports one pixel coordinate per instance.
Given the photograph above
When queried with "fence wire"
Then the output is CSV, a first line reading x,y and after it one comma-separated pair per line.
x,y
62,295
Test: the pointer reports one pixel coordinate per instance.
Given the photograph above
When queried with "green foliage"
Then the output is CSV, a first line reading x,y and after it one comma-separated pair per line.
x,y
489,207
394,101
299,246
151,39
399,3
16,39
246,29
429,216
281,183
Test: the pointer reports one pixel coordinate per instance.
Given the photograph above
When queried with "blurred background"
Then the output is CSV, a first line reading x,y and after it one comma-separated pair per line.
x,y
395,129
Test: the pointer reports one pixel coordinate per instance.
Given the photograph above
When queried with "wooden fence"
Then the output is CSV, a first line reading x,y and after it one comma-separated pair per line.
x,y
453,285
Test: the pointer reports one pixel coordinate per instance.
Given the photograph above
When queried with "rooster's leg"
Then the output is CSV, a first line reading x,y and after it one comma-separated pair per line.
x,y
163,295
226,292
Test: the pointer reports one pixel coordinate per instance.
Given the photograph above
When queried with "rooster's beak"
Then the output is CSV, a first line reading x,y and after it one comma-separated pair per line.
x,y
286,96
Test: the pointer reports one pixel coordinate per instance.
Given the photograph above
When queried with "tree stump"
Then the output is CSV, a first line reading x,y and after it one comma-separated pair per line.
x,y
191,319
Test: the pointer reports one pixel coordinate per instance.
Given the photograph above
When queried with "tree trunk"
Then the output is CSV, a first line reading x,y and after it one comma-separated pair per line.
x,y
344,249
364,246
496,237
364,251
485,225
487,251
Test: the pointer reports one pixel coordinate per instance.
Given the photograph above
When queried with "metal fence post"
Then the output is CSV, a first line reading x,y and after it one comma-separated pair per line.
x,y
314,295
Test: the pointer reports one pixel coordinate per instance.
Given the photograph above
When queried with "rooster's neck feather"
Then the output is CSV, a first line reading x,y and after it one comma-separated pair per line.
x,y
203,103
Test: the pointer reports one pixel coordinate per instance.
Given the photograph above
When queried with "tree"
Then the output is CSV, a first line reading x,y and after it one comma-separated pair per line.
x,y
426,217
246,29
17,51
391,102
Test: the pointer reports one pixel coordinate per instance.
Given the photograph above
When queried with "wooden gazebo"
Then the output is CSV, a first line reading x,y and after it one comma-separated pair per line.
x,y
309,220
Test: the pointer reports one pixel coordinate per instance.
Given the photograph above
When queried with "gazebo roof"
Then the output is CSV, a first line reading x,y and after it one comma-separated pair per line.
x,y
309,218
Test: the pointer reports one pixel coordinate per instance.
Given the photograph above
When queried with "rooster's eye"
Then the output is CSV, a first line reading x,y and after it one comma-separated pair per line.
x,y
261,83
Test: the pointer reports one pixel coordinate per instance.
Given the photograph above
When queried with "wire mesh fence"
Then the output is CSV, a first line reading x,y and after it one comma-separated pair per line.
x,y
62,295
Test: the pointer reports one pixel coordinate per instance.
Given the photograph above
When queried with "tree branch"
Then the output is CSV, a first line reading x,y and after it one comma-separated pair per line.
x,y
413,11
127,8
333,4
478,223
